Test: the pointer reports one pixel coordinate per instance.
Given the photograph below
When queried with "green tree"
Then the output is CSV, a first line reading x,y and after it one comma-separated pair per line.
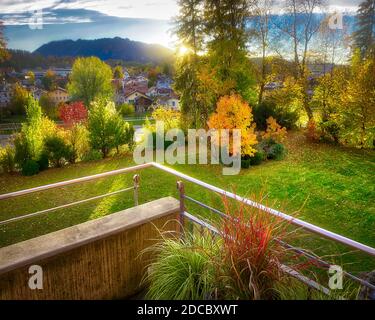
x,y
30,76
189,24
189,27
106,127
118,73
364,36
48,106
225,26
29,142
19,99
90,79
327,101
49,80
358,104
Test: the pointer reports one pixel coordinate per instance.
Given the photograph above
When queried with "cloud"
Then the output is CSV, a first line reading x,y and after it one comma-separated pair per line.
x,y
158,9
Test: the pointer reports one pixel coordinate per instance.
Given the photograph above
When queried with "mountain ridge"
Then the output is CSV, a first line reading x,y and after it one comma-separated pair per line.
x,y
116,48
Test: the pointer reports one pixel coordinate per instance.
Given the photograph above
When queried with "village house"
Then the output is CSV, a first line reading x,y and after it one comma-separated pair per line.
x,y
5,95
171,101
37,92
140,101
59,95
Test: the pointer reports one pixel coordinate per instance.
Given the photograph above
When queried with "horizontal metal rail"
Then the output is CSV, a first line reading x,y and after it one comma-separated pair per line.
x,y
30,215
222,214
303,224
73,181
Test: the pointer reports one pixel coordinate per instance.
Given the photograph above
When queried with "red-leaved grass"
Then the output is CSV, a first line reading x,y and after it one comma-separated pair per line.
x,y
252,252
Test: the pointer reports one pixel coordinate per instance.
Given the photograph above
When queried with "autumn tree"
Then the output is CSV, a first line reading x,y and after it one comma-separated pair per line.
x,y
19,99
358,104
90,79
232,112
327,100
72,113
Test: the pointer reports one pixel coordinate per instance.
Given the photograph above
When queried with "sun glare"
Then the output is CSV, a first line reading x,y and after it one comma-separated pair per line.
x,y
182,50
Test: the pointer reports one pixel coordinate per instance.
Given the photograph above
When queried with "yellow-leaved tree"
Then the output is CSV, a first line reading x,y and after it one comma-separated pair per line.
x,y
234,113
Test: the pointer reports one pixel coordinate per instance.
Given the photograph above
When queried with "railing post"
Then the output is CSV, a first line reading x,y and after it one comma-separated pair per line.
x,y
136,187
181,190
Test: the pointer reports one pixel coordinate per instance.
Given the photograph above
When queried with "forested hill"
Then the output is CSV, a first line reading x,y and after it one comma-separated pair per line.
x,y
107,48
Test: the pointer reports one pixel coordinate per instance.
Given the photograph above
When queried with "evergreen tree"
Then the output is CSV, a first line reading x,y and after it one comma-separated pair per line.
x,y
189,29
225,26
364,37
4,55
189,24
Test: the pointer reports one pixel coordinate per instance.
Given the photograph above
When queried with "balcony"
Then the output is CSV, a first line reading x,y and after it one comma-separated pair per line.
x,y
106,258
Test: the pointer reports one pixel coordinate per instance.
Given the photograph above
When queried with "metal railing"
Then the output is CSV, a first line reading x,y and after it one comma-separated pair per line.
x,y
184,214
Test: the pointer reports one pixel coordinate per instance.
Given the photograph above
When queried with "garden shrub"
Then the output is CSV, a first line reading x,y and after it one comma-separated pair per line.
x,y
57,150
126,109
272,149
43,162
285,117
170,117
330,131
245,162
30,167
312,133
92,155
274,131
276,151
257,159
7,159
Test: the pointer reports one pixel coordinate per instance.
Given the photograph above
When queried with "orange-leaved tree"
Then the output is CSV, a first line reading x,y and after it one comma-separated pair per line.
x,y
234,113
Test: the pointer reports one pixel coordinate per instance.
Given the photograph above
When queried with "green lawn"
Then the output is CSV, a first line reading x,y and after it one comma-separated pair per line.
x,y
329,186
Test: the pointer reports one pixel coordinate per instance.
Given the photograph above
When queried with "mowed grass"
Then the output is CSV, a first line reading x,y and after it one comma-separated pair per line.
x,y
330,186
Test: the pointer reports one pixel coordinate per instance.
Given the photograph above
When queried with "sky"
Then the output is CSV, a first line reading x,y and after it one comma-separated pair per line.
x,y
143,20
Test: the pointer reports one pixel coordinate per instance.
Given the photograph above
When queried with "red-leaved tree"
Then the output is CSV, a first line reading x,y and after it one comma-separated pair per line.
x,y
73,113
